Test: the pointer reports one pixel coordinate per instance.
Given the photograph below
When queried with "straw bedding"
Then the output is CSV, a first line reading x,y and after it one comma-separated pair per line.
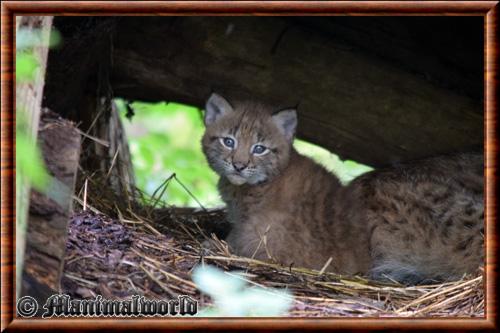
x,y
122,251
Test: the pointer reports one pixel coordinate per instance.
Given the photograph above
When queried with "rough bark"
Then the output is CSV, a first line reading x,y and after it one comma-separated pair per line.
x,y
114,158
78,87
29,93
49,212
375,90
28,104
356,104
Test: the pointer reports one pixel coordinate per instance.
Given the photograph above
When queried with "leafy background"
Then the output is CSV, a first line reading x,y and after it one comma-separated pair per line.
x,y
165,138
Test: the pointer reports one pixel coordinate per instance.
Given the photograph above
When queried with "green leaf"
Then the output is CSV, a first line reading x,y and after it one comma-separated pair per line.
x,y
27,38
29,162
26,66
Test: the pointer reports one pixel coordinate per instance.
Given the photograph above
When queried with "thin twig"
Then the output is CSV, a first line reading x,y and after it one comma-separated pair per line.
x,y
85,195
328,262
113,161
189,192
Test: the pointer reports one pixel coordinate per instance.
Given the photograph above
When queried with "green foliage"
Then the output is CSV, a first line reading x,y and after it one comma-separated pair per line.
x,y
29,162
26,66
28,38
233,297
346,170
165,138
27,62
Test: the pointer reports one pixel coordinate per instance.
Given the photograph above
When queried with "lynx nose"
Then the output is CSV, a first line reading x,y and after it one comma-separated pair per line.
x,y
238,166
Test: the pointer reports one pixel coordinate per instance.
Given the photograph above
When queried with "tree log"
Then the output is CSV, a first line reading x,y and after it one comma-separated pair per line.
x,y
357,105
49,213
375,90
28,105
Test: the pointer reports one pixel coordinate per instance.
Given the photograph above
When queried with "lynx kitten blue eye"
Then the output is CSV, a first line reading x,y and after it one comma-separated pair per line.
x,y
259,149
228,142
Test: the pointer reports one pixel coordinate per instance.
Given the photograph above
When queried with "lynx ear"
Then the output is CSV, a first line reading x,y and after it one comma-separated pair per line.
x,y
286,120
216,107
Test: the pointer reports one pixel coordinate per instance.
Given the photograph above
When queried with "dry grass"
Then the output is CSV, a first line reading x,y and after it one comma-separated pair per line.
x,y
117,249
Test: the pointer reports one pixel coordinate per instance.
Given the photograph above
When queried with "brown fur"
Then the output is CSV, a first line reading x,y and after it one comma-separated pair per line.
x,y
416,222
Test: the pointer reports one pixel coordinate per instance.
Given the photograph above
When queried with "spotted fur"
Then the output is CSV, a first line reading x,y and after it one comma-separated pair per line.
x,y
417,222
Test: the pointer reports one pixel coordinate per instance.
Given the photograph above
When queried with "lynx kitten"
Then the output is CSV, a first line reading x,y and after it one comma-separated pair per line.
x,y
412,223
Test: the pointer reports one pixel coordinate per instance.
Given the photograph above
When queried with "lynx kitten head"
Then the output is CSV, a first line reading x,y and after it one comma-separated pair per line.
x,y
247,143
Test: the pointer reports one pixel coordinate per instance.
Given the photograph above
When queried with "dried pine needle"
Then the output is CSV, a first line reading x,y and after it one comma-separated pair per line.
x,y
120,248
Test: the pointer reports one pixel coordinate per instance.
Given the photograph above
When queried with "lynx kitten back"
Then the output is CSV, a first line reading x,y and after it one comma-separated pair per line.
x,y
417,222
